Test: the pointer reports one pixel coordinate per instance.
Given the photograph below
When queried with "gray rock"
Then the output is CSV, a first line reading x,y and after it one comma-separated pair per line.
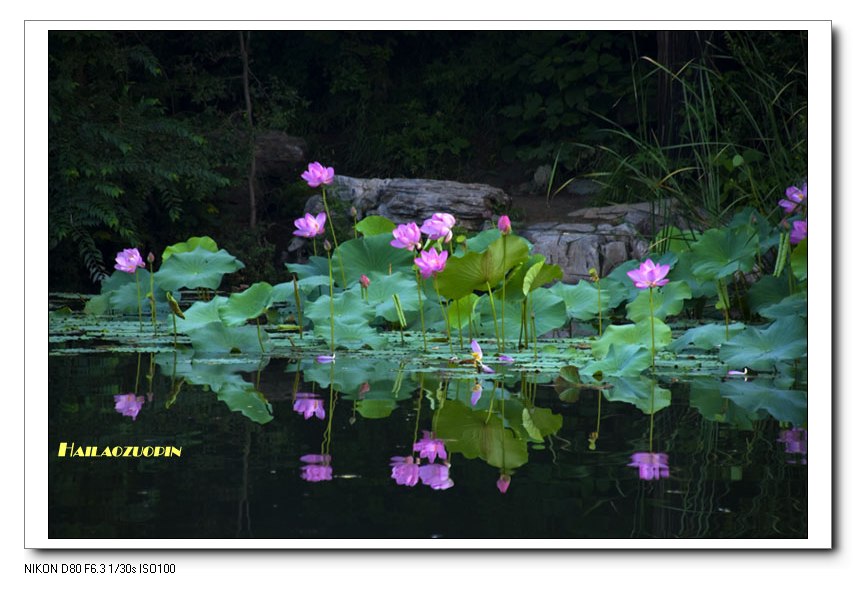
x,y
405,200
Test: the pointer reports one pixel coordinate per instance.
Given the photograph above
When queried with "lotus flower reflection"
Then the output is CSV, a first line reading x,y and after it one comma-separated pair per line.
x,y
405,470
796,442
309,405
318,468
429,447
436,476
128,260
649,275
503,483
651,465
129,405
316,175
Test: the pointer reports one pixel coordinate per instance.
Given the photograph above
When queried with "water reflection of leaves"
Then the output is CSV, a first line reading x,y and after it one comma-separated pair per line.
x,y
638,392
472,434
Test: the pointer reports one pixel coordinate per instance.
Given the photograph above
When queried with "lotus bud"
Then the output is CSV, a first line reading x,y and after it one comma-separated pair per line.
x,y
150,258
354,212
364,281
327,246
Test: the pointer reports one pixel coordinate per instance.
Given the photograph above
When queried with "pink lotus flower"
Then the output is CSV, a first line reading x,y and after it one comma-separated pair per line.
x,y
405,470
504,225
794,197
429,447
799,231
128,260
364,281
316,175
439,227
649,275
651,465
503,483
309,226
318,469
477,358
504,359
325,359
407,236
309,405
477,393
431,263
436,476
129,405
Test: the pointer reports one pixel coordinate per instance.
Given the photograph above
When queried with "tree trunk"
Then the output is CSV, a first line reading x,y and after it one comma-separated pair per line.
x,y
251,178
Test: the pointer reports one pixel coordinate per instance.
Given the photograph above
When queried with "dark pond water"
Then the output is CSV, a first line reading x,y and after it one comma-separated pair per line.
x,y
705,466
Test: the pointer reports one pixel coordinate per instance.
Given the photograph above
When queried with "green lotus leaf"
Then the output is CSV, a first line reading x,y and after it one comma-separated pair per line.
x,y
315,269
199,268
191,244
119,295
460,313
719,253
795,305
626,360
200,314
540,422
539,275
760,349
799,260
382,288
476,270
247,401
548,309
641,392
375,225
759,395
705,337
682,272
370,254
633,334
243,306
675,240
668,300
769,290
481,242
348,306
581,299
218,339
475,436
376,408
705,396
351,333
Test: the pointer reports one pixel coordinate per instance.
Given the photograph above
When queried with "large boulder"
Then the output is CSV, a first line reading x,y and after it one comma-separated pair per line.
x,y
405,200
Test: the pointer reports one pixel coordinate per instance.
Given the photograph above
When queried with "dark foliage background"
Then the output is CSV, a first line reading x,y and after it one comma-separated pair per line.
x,y
149,141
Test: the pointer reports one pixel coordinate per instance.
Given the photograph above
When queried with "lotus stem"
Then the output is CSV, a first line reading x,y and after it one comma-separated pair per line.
x,y
299,309
421,311
651,305
259,332
534,336
332,321
333,233
139,299
152,293
493,310
460,329
174,333
445,315
502,337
